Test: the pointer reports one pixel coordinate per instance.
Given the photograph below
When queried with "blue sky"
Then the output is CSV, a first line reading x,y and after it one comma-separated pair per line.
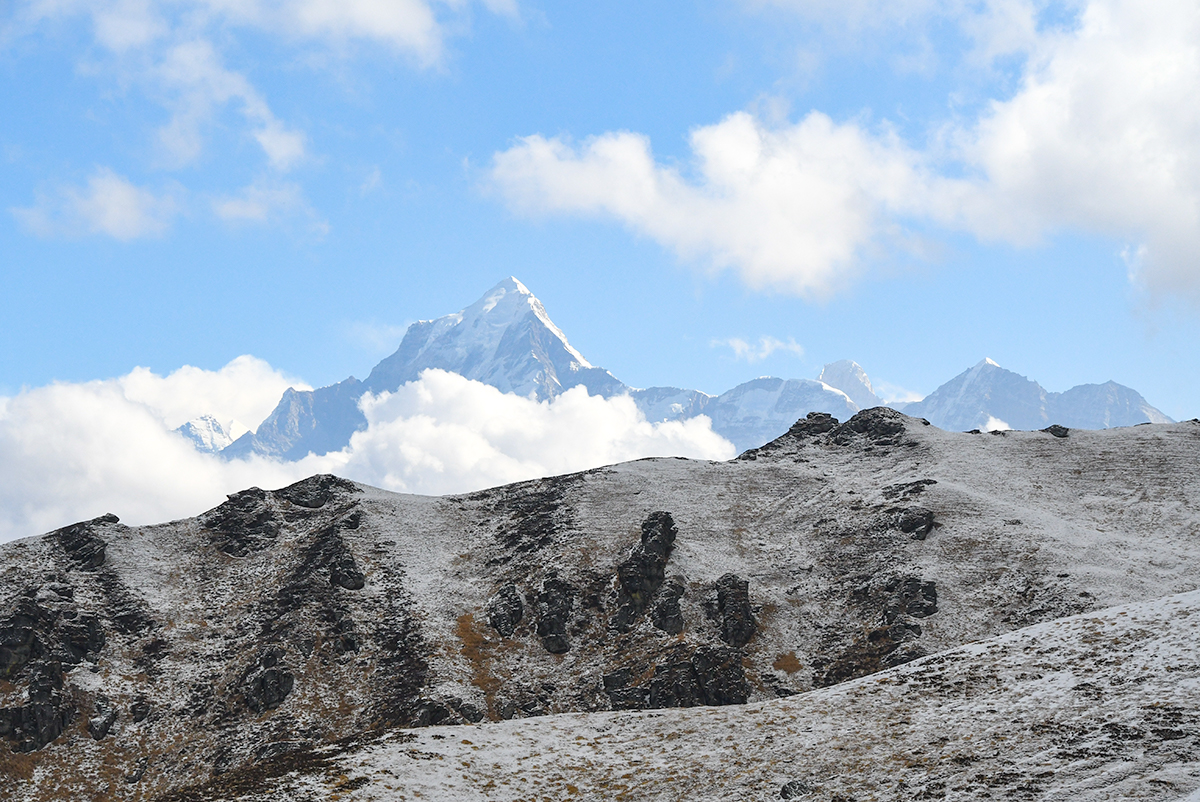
x,y
934,182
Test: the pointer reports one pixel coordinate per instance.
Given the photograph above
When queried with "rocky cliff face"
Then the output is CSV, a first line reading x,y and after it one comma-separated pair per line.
x,y
151,661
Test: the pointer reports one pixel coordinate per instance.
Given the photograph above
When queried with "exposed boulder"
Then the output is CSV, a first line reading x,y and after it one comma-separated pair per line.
x,y
106,715
554,603
736,618
915,521
505,610
1057,431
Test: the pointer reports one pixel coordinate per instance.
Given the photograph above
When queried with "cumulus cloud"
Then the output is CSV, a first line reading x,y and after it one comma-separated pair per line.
x,y
74,451
1098,137
445,433
756,352
109,204
789,208
246,389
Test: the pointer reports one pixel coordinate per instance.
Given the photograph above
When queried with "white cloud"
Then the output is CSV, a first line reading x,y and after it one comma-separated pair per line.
x,y
996,425
74,451
756,352
246,389
260,202
110,205
790,208
192,72
445,433
1099,137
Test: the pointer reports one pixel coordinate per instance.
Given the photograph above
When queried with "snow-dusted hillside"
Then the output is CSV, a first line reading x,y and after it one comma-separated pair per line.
x,y
137,660
1102,706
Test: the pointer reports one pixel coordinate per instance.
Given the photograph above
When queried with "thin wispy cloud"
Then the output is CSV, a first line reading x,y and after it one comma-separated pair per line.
x,y
108,204
758,351
176,53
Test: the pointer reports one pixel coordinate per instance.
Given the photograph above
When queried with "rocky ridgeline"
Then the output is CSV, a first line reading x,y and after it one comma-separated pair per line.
x,y
137,662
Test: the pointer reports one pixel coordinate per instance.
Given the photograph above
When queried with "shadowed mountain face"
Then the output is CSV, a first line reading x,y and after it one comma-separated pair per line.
x,y
135,661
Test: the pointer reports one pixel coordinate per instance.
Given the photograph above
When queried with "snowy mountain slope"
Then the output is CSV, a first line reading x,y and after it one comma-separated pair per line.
x,y
987,396
206,433
507,340
751,414
849,377
504,339
1101,706
295,618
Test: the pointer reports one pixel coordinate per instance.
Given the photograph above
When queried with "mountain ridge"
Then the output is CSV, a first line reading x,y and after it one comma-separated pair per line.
x,y
506,339
291,620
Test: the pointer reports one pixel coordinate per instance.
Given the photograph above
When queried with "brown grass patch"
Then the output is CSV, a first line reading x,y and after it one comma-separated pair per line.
x,y
475,648
788,663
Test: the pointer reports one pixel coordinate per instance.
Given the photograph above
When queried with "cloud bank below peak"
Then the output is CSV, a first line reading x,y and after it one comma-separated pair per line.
x,y
1096,138
70,452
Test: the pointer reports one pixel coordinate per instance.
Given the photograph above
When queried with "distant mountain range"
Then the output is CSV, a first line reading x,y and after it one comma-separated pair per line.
x,y
507,340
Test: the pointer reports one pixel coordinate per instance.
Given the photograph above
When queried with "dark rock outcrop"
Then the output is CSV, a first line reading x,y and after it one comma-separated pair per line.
x,y
84,548
268,683
666,614
881,425
640,576
46,714
245,523
555,601
1057,431
814,423
505,610
736,618
316,491
915,521
909,596
711,675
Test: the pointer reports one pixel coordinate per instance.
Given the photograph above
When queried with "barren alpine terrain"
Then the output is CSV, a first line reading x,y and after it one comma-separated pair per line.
x,y
874,609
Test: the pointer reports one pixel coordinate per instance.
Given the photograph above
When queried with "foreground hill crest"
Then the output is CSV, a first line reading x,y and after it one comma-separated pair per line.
x,y
134,661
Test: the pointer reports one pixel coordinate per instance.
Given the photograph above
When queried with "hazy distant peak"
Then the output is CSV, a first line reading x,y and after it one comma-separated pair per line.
x,y
849,378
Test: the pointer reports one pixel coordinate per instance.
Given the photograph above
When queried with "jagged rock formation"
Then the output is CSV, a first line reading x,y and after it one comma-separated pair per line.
x,y
216,650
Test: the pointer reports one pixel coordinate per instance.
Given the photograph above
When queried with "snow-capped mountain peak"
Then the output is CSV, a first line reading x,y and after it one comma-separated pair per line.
x,y
849,378
504,339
